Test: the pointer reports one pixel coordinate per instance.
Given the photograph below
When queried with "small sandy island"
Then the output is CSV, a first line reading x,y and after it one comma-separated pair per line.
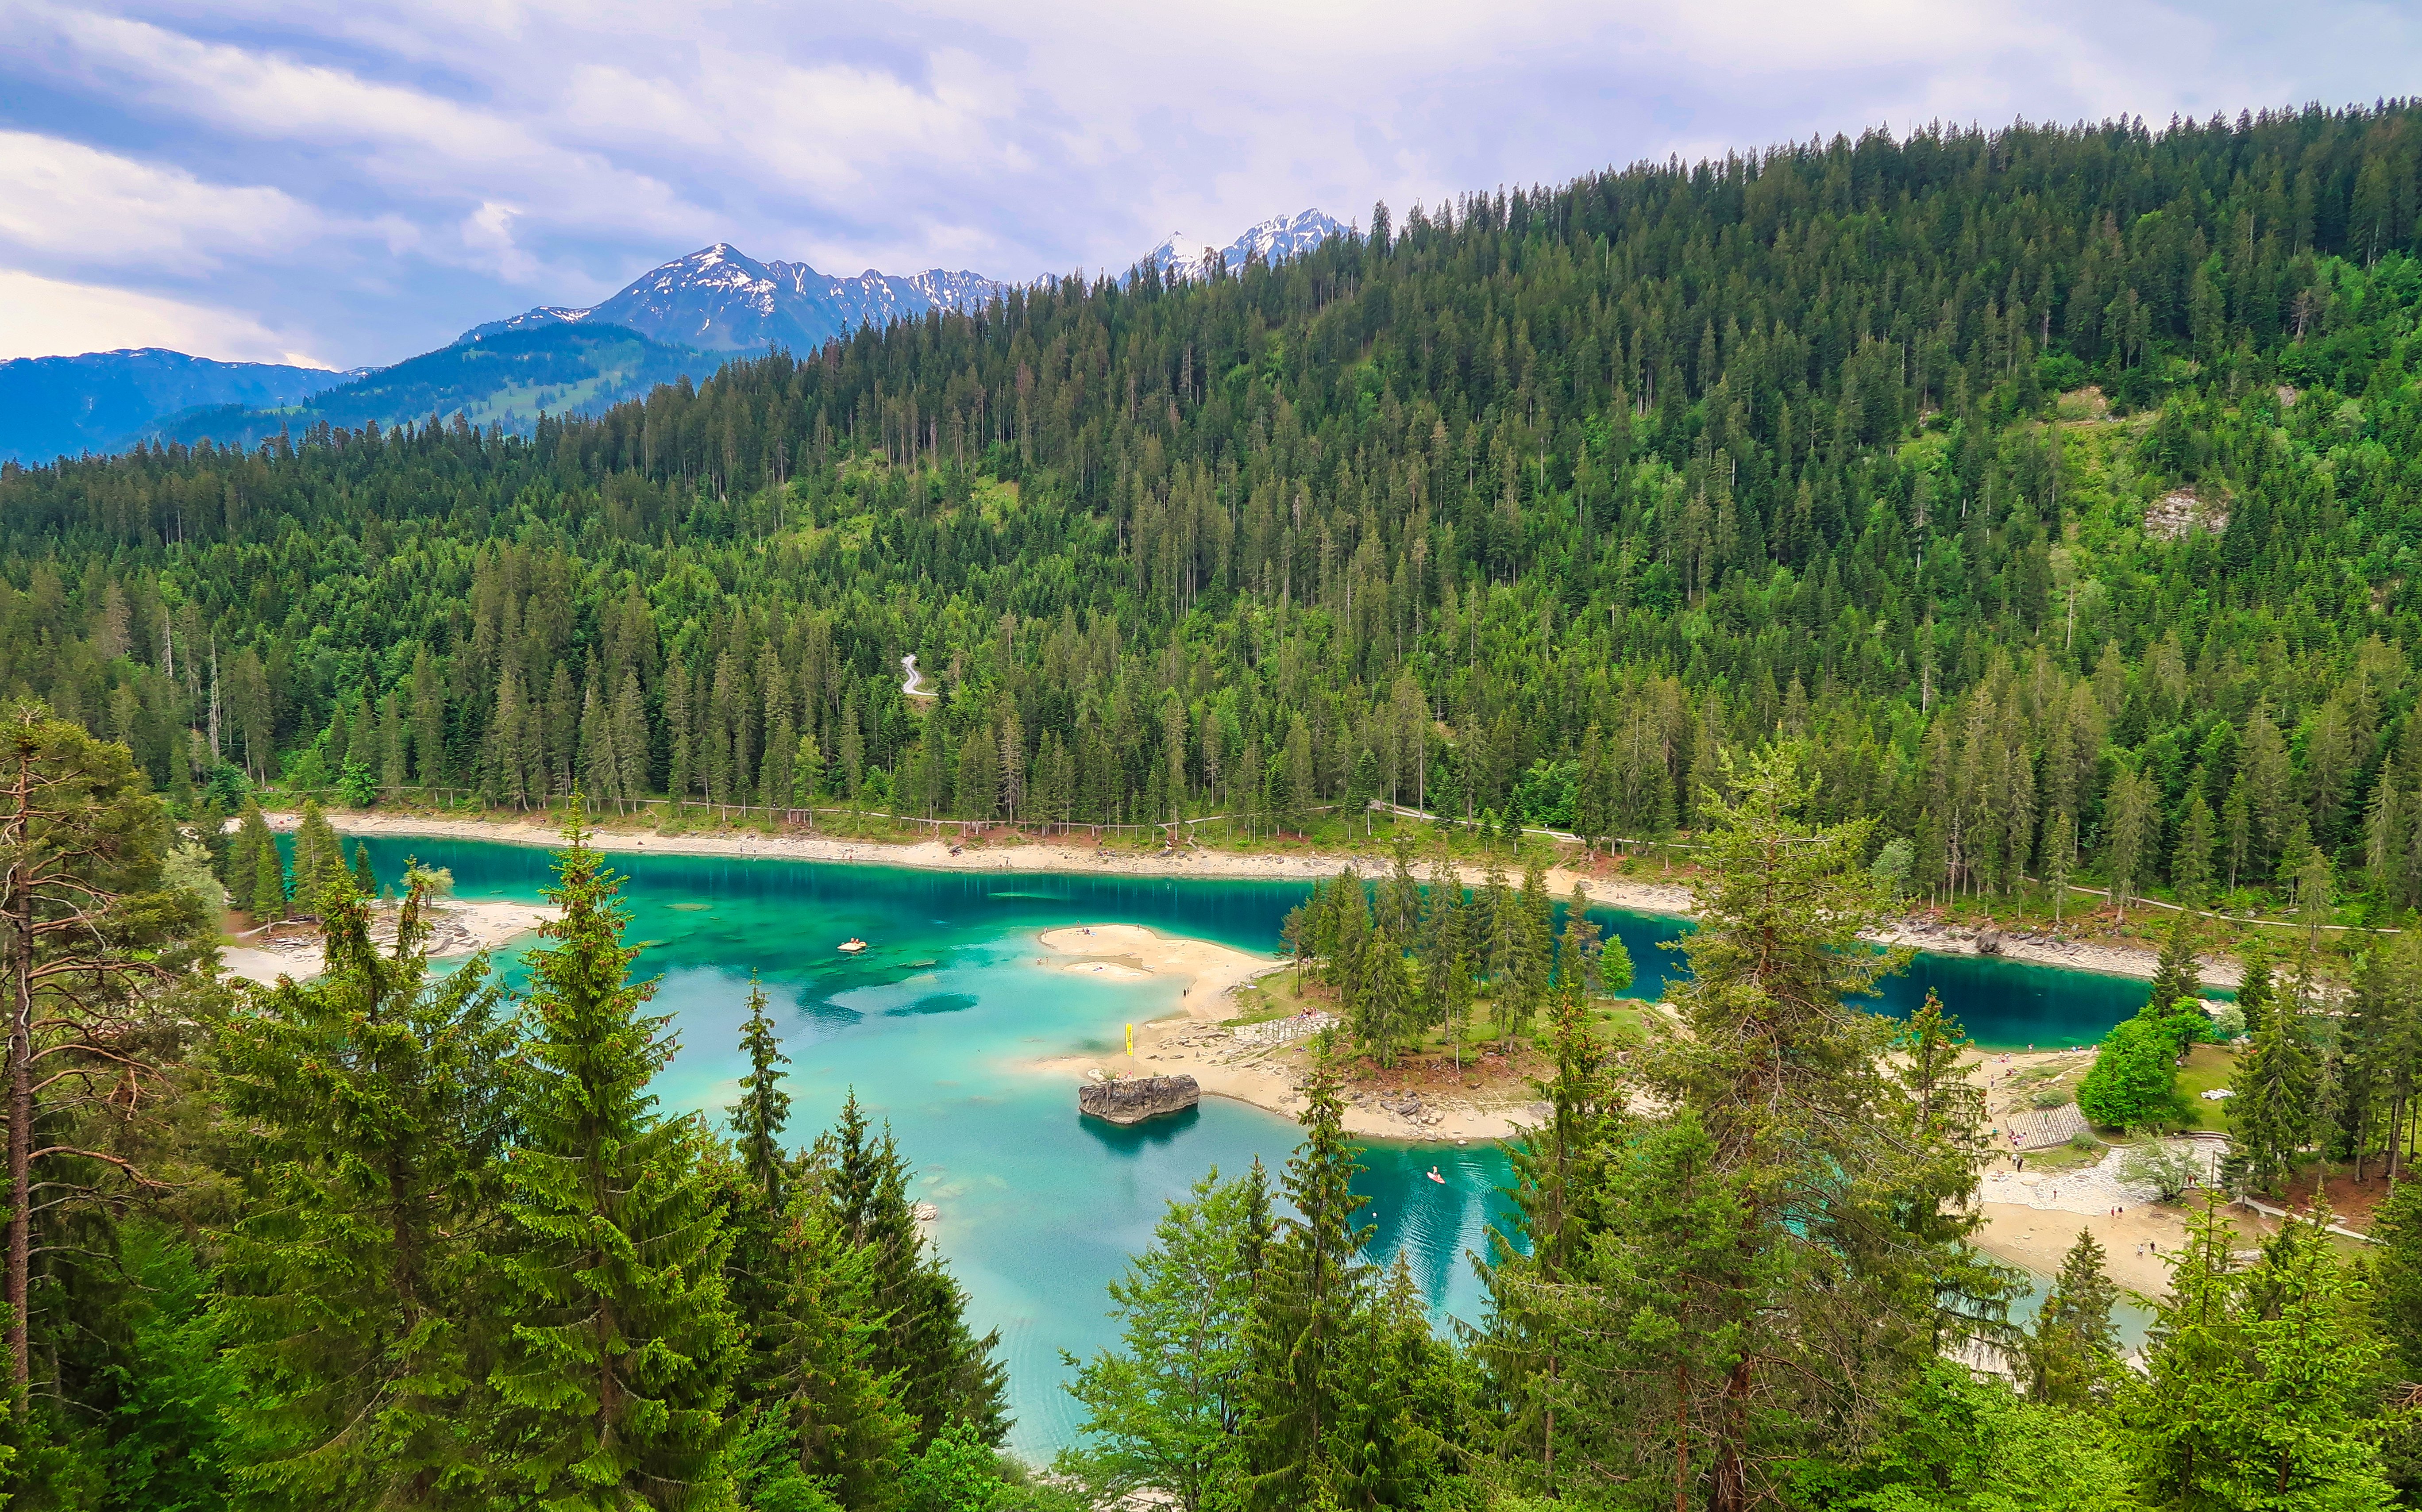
x,y
1260,1064
457,929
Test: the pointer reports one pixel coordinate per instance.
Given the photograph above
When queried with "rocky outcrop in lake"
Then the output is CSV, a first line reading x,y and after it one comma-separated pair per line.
x,y
1133,1099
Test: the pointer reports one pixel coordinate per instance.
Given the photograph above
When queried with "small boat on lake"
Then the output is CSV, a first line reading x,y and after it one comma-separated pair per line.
x,y
1433,1175
852,945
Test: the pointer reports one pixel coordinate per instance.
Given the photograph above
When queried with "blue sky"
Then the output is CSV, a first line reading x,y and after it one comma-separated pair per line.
x,y
351,183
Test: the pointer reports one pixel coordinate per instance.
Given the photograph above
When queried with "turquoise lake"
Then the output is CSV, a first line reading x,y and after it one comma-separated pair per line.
x,y
935,1026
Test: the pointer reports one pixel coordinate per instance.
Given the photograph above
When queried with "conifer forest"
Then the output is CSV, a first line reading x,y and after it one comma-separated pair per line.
x,y
2023,520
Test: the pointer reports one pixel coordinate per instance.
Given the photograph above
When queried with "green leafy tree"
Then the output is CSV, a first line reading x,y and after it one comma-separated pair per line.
x,y
1164,1410
2133,1083
615,1372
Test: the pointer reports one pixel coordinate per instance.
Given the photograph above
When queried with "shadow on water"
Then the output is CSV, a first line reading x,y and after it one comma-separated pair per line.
x,y
1127,1141
935,1002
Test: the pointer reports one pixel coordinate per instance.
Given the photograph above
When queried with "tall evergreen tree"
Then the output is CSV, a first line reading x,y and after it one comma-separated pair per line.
x,y
764,1108
942,1372
358,1305
2071,1353
1314,1285
614,1379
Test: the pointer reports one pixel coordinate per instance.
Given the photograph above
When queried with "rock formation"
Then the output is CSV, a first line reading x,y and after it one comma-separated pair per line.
x,y
1133,1099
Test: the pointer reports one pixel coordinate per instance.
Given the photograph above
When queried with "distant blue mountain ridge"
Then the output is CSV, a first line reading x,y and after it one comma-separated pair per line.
x,y
53,407
687,316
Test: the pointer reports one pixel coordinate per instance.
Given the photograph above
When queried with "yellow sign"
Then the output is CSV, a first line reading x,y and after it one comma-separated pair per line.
x,y
1131,1041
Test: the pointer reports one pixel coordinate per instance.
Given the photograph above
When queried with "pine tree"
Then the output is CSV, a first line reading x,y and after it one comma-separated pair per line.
x,y
840,1422
764,1108
2272,1112
2256,1379
2071,1353
614,1380
1776,1251
942,1372
364,877
268,898
357,1280
319,859
1560,1185
1383,999
1313,1283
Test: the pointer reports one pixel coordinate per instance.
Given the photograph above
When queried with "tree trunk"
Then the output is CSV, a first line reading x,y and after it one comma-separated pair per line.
x,y
21,1083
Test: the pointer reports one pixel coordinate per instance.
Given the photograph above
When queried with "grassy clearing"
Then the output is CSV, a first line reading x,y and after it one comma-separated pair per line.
x,y
2209,1066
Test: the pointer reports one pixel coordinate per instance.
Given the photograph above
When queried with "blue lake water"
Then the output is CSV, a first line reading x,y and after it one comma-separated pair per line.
x,y
935,1026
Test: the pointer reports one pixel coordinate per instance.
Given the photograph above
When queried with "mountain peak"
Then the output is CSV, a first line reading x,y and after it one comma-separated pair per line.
x,y
1276,240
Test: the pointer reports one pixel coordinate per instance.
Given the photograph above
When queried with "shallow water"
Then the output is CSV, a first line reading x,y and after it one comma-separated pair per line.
x,y
934,1026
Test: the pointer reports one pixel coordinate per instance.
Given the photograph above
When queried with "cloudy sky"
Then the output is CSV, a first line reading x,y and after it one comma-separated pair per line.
x,y
351,183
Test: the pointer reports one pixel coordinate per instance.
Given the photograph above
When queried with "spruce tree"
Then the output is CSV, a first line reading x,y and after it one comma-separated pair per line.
x,y
942,1372
764,1108
1383,1003
2071,1353
2257,1380
364,877
1312,1287
1560,1187
614,1380
1776,1255
269,896
2272,1110
356,1281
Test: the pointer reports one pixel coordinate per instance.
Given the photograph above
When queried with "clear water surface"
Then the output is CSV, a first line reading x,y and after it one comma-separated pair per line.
x,y
936,1025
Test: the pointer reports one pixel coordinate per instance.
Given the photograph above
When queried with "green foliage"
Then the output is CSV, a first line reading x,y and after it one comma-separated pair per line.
x,y
2133,1083
166,1437
763,1109
615,1375
1532,515
356,1300
1164,1410
936,1368
2072,1353
2259,1378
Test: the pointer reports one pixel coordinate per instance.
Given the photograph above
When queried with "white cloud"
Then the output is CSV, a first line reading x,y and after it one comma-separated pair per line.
x,y
42,317
65,200
471,156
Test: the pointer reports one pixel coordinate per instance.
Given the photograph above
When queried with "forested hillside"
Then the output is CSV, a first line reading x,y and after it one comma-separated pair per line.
x,y
2060,481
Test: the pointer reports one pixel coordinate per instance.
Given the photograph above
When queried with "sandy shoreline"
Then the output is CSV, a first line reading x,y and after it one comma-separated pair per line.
x,y
1193,1042
458,928
2117,959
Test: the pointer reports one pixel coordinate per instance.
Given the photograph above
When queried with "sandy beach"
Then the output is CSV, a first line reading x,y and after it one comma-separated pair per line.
x,y
458,927
2122,958
1255,1065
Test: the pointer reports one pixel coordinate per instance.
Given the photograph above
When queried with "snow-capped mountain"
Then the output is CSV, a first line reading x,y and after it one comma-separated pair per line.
x,y
719,299
1277,239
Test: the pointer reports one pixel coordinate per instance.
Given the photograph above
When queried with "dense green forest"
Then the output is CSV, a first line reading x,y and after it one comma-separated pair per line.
x,y
1537,500
2047,492
388,1238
